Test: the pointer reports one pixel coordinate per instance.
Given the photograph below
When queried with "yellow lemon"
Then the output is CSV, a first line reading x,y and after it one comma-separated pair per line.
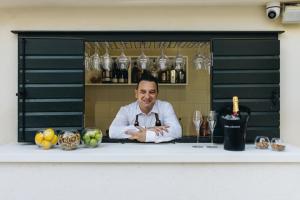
x,y
38,138
49,134
54,140
46,144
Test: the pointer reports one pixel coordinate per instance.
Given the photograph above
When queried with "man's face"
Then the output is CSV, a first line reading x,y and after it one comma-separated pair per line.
x,y
146,94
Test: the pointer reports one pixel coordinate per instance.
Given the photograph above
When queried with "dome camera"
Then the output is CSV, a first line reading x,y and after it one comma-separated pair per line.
x,y
273,10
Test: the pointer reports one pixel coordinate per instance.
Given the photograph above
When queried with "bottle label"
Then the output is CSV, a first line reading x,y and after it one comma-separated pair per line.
x,y
173,76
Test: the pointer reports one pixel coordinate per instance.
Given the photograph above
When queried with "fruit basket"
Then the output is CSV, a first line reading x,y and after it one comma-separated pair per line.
x,y
69,140
46,138
91,137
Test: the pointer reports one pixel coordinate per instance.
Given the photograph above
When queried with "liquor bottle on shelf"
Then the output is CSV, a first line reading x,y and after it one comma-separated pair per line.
x,y
163,76
180,73
124,73
181,76
168,74
115,72
136,73
173,75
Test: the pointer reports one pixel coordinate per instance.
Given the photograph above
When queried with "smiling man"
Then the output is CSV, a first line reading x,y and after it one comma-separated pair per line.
x,y
147,119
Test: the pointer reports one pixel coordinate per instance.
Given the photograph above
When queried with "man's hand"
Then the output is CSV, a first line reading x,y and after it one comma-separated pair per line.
x,y
139,135
159,129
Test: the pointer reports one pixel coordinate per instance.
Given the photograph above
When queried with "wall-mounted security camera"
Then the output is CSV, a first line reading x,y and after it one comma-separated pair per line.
x,y
273,10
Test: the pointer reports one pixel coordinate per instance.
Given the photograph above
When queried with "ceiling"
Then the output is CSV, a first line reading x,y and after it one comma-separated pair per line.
x,y
93,3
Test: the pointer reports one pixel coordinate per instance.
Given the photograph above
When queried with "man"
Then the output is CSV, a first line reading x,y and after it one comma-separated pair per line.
x,y
147,119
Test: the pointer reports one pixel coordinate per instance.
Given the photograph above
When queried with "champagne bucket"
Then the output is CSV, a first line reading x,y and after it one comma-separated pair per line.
x,y
235,129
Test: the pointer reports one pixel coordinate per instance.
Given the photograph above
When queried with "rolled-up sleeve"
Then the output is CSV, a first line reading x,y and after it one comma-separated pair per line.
x,y
120,125
169,118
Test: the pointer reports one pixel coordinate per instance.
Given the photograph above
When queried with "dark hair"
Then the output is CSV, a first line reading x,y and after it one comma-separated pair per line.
x,y
147,76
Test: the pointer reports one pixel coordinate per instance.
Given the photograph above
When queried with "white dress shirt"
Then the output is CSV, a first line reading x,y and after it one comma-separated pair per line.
x,y
123,123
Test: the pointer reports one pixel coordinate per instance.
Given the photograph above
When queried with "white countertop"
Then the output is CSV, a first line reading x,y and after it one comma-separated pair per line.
x,y
146,153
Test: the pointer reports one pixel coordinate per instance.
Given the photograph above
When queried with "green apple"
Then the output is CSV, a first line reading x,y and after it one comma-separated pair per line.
x,y
98,137
87,140
93,143
91,133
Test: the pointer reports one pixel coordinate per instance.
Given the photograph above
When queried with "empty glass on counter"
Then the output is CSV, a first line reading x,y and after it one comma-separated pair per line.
x,y
212,121
197,120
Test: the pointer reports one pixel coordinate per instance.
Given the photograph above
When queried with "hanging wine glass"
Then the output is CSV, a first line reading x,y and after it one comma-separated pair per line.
x,y
87,62
199,59
107,65
207,58
143,61
123,64
163,61
179,60
96,60
107,60
123,61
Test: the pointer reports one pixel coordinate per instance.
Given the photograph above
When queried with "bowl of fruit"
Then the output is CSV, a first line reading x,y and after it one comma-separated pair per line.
x,y
46,138
91,137
69,140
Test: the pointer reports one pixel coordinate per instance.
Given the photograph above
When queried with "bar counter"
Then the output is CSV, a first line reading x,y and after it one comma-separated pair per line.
x,y
147,153
115,171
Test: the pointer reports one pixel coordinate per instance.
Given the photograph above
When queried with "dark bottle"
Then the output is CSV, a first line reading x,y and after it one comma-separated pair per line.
x,y
163,76
114,72
181,76
168,74
125,75
204,127
135,73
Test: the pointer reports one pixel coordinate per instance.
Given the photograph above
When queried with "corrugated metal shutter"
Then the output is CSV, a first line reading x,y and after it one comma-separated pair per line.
x,y
51,85
249,69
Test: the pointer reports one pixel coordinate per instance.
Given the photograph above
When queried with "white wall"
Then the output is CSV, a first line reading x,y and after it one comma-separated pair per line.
x,y
135,181
145,18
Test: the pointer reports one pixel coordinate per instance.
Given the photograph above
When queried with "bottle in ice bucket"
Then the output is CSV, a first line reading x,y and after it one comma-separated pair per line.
x,y
235,107
235,125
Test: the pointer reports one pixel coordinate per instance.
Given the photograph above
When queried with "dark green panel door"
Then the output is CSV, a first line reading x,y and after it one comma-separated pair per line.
x,y
249,69
51,85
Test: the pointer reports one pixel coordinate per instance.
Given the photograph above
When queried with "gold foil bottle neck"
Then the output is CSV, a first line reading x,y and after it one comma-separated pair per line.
x,y
235,101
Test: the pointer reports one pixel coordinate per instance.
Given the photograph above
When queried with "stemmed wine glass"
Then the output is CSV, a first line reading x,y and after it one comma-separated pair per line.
x,y
212,121
197,120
